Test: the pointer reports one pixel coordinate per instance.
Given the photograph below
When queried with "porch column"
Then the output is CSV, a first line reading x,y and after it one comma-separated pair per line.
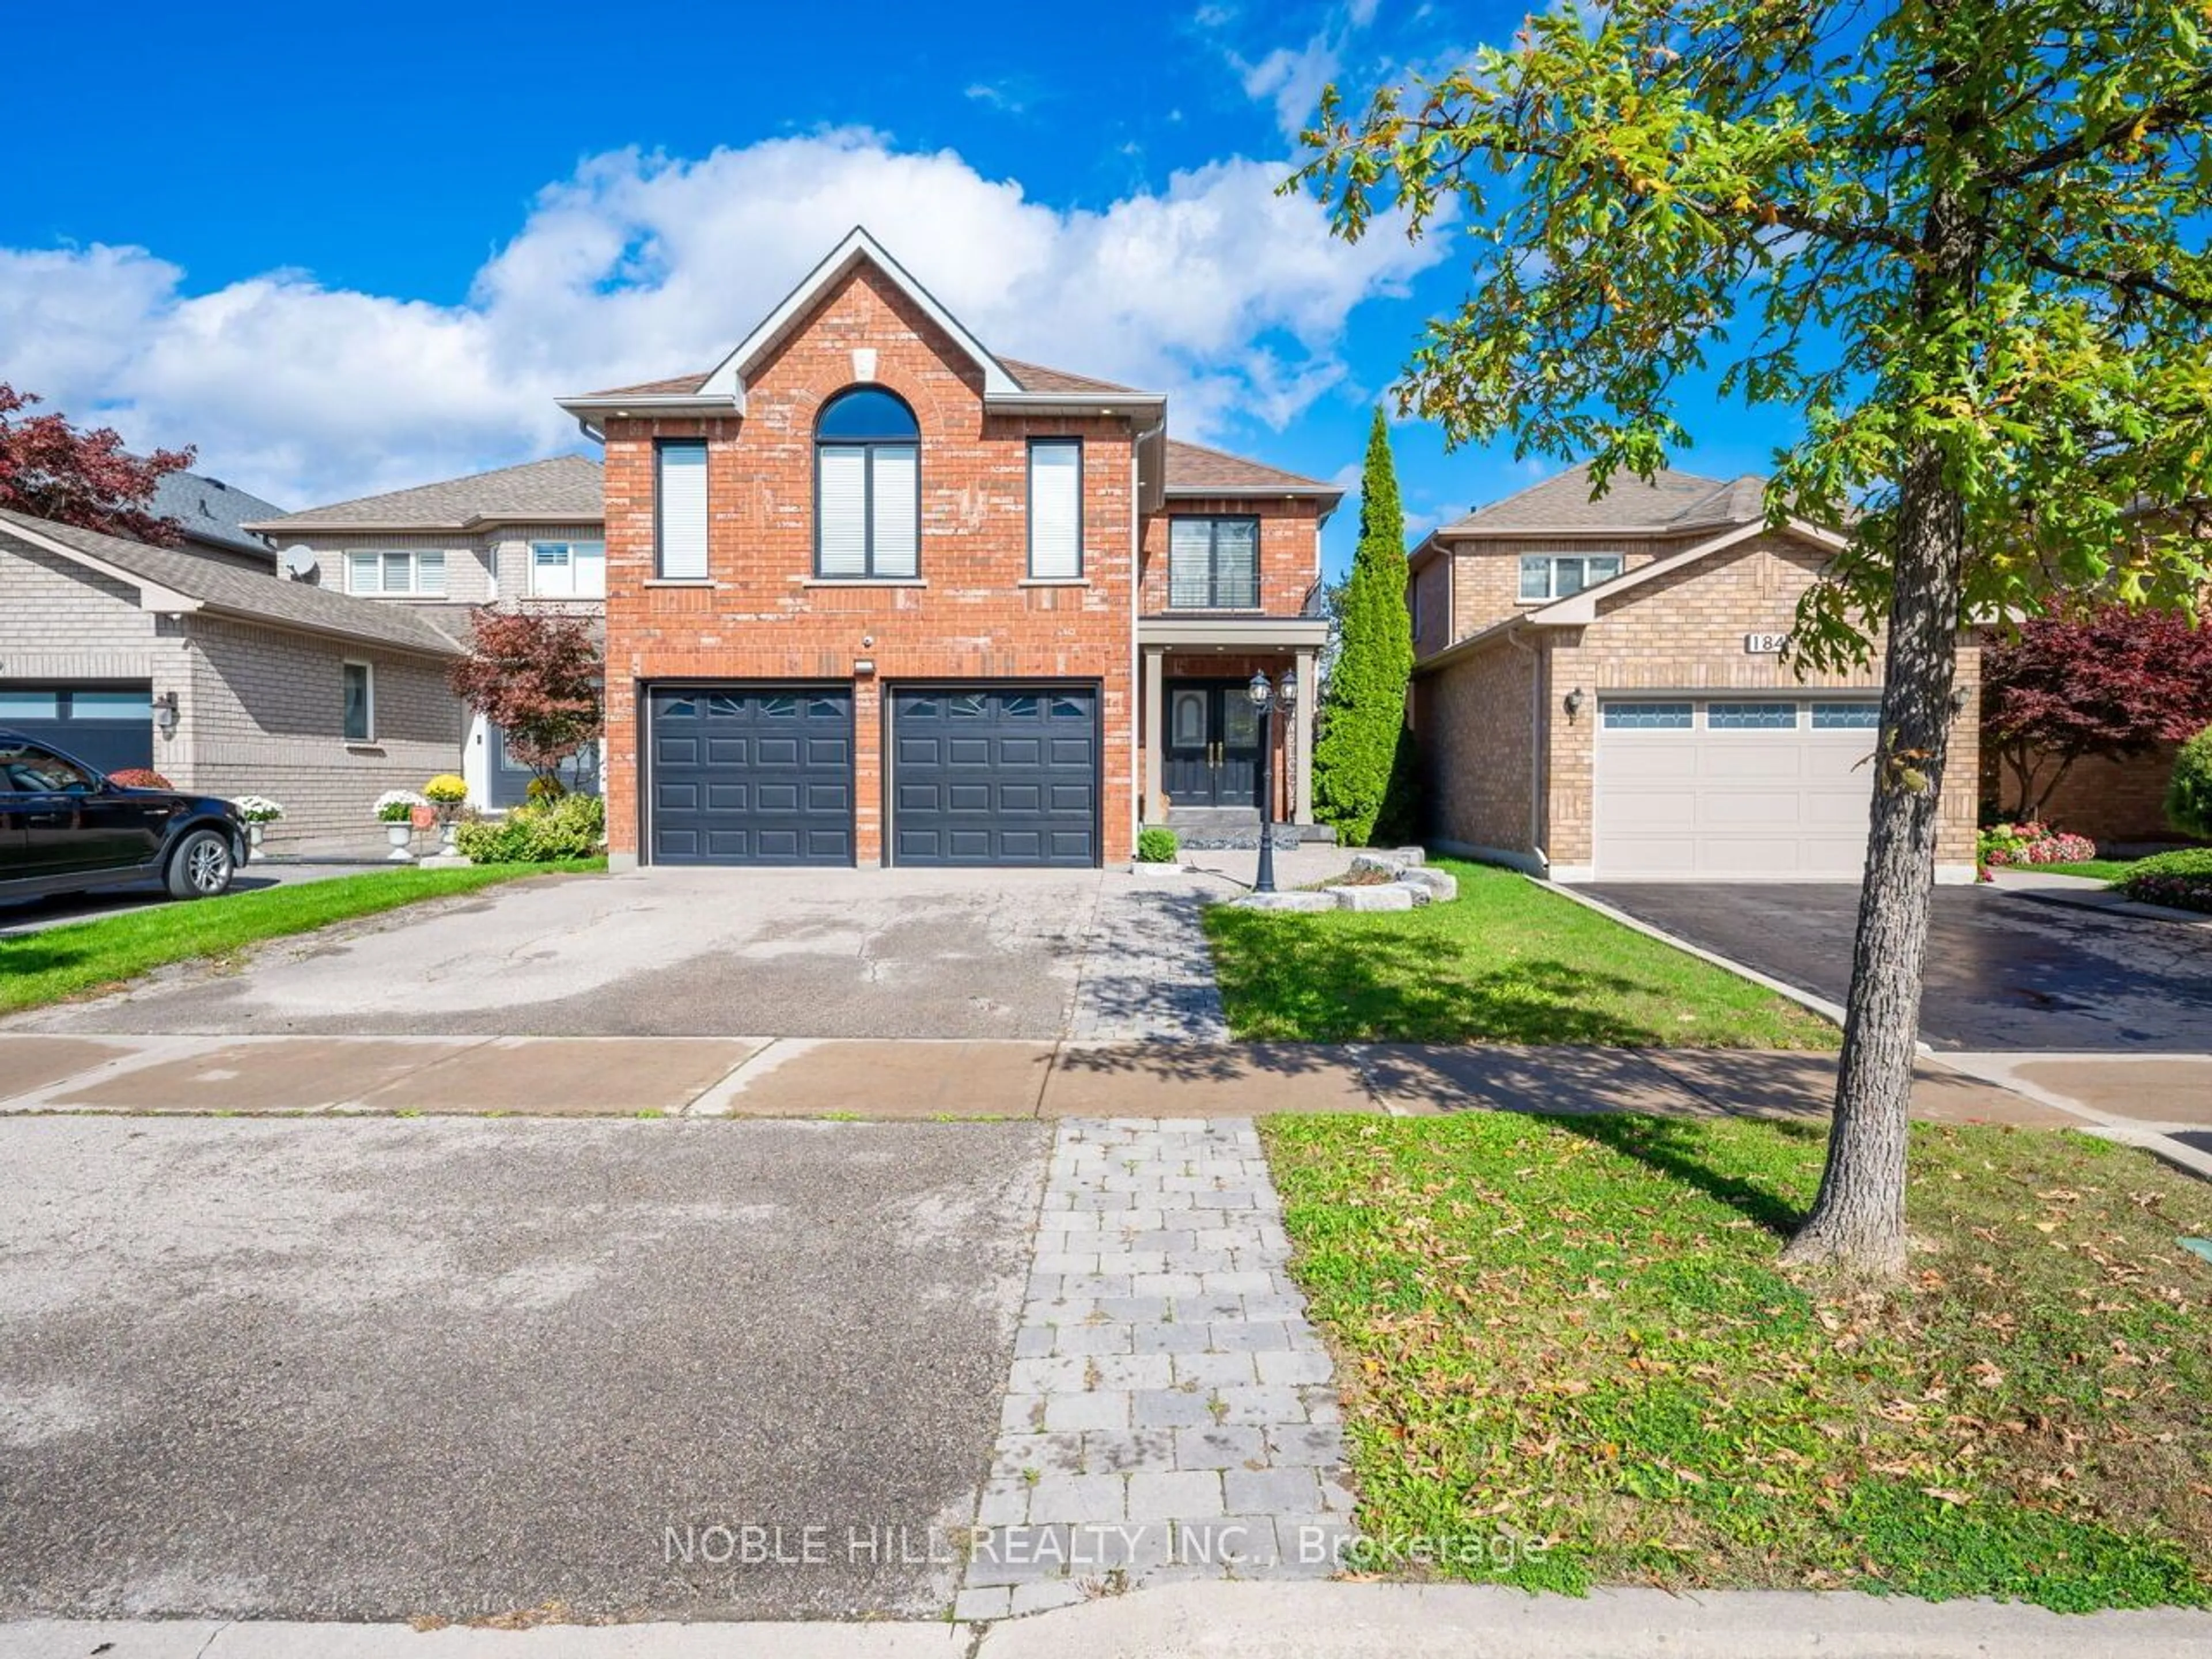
x,y
1150,725
1301,731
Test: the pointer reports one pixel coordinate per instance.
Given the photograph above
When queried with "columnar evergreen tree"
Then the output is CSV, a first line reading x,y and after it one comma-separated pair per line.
x,y
1959,246
1361,761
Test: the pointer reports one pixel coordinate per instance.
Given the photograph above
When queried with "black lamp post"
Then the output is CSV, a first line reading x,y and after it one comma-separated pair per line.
x,y
1267,699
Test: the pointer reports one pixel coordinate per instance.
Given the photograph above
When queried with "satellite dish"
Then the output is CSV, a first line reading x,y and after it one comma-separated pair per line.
x,y
299,562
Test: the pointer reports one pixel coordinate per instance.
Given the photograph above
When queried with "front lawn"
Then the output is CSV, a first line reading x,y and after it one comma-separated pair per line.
x,y
1576,1330
75,958
2094,869
1507,963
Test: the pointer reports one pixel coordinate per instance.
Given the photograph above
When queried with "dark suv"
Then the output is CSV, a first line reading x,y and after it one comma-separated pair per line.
x,y
65,828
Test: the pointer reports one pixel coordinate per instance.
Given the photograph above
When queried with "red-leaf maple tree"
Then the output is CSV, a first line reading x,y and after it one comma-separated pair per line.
x,y
52,469
538,678
2114,682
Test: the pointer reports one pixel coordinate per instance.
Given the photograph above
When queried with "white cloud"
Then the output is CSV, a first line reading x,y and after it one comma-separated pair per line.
x,y
1231,298
1293,78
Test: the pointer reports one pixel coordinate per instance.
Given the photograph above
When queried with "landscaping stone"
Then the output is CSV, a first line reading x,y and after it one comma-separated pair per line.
x,y
1378,864
1441,885
1302,902
1394,897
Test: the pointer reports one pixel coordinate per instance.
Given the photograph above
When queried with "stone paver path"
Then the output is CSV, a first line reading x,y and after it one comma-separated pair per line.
x,y
1147,972
1170,1414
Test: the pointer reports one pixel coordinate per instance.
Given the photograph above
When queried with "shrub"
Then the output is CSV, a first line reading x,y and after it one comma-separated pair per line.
x,y
2014,844
2189,791
539,790
1156,845
138,777
2181,879
573,827
446,790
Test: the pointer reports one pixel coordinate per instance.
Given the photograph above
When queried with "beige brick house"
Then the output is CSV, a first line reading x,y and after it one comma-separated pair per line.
x,y
1600,693
530,536
226,680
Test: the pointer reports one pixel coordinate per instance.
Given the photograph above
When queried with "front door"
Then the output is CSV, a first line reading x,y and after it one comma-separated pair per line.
x,y
1212,757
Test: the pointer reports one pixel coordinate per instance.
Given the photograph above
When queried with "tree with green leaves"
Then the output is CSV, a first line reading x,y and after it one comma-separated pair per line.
x,y
1361,757
1961,243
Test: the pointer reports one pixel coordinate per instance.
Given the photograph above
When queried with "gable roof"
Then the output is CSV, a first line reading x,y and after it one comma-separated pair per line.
x,y
567,489
1199,470
209,510
1668,503
174,583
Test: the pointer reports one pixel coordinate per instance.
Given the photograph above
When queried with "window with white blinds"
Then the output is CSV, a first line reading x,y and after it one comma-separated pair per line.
x,y
568,570
1213,565
867,488
421,573
1055,509
682,518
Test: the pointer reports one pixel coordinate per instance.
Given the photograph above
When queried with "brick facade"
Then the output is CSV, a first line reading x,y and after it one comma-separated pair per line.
x,y
973,615
2109,801
1290,548
1681,632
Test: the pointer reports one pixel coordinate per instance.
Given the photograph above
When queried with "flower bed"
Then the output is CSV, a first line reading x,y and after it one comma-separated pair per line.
x,y
2181,880
2014,845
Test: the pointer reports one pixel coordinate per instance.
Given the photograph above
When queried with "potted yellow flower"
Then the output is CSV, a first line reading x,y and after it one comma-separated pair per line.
x,y
445,792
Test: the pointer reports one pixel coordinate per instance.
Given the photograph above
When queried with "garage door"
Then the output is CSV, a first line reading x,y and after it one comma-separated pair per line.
x,y
111,727
1695,789
751,775
993,774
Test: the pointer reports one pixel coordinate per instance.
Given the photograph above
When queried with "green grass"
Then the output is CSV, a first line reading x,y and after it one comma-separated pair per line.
x,y
1576,1330
1508,962
2097,869
78,958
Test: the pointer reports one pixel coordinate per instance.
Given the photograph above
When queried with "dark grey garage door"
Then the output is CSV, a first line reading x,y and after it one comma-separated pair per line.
x,y
751,775
111,727
995,775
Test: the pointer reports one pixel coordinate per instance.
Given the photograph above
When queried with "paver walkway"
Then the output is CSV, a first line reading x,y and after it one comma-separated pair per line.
x,y
1170,1414
1147,972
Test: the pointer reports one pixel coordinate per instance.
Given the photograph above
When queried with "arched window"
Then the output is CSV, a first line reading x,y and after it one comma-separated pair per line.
x,y
867,487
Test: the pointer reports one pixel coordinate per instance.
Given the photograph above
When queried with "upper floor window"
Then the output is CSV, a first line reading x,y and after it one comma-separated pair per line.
x,y
568,570
1555,575
1055,509
1213,565
421,573
867,487
679,510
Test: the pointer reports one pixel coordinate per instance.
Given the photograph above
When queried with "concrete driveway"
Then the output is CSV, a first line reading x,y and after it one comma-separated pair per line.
x,y
2006,971
455,1368
673,952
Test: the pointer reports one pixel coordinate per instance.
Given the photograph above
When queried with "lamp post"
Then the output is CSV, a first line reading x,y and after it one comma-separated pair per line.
x,y
1267,699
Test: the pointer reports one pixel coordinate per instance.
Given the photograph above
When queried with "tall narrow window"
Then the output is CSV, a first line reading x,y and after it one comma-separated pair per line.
x,y
1055,509
681,497
867,488
358,682
1213,565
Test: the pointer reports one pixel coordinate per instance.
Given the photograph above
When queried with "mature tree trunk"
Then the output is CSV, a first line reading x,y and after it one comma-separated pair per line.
x,y
1858,1221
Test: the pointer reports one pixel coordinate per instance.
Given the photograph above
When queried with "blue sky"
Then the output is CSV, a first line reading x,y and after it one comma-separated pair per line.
x,y
343,252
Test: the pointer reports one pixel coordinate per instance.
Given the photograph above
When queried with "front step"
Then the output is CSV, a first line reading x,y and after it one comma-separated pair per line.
x,y
1237,828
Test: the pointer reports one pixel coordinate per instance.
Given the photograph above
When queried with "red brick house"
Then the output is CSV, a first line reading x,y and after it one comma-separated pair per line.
x,y
875,594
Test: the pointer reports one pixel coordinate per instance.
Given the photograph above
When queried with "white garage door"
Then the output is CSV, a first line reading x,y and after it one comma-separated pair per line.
x,y
1713,789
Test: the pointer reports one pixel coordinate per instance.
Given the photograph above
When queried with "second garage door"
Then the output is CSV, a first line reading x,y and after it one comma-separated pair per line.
x,y
751,775
995,775
1736,789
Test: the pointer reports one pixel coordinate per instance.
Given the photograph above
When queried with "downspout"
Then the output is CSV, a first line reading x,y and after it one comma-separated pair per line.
x,y
1539,759
1139,738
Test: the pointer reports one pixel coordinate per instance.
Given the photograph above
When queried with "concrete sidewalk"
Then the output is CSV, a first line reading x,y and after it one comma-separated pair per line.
x,y
1240,1621
859,1078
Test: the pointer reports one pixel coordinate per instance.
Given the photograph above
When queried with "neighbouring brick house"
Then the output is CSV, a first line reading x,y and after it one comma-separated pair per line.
x,y
528,536
878,595
1599,693
224,679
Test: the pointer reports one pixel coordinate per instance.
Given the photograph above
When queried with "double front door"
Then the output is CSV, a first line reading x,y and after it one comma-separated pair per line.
x,y
1213,745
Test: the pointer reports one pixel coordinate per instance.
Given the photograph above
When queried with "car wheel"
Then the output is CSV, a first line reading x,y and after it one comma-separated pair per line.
x,y
202,866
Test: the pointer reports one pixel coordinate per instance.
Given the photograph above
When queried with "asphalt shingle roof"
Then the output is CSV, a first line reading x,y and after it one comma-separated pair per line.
x,y
209,510
248,594
565,487
1195,469
1670,501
